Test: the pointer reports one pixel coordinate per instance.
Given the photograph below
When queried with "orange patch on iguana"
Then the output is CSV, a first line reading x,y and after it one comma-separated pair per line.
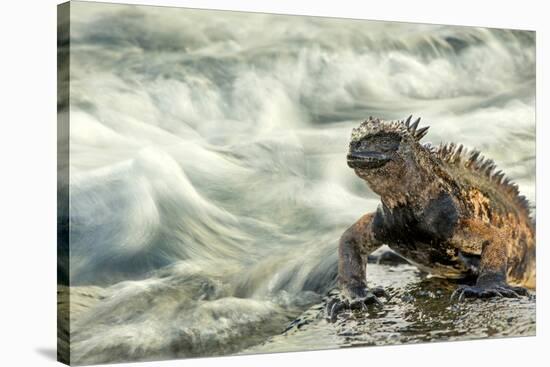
x,y
481,205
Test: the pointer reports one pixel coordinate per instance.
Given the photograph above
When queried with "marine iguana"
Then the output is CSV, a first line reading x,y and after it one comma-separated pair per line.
x,y
443,209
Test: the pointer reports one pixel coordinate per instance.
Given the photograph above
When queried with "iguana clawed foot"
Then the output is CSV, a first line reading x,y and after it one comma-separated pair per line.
x,y
487,291
360,299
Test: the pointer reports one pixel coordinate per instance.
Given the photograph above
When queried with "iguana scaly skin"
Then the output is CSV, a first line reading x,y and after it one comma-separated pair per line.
x,y
444,209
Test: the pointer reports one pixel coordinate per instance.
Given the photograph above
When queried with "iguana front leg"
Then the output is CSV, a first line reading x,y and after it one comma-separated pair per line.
x,y
491,281
355,245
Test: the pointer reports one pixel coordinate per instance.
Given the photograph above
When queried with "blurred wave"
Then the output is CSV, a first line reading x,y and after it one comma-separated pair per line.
x,y
208,175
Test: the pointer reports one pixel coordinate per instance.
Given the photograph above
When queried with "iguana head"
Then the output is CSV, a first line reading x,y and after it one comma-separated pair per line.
x,y
384,153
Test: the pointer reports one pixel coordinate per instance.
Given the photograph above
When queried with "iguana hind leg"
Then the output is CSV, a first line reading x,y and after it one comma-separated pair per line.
x,y
493,266
355,245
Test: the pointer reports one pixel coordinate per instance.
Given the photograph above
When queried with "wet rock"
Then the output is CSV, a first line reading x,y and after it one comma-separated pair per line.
x,y
407,298
419,311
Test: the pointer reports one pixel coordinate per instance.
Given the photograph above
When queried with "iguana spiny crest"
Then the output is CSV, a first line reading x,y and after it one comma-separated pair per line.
x,y
376,142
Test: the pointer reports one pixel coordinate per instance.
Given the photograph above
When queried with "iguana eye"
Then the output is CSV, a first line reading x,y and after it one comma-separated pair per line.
x,y
384,143
387,143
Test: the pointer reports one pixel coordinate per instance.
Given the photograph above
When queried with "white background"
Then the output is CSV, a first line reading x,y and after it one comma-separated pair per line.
x,y
28,182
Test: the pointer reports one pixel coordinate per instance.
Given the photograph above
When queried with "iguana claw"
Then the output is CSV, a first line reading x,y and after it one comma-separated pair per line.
x,y
360,301
499,290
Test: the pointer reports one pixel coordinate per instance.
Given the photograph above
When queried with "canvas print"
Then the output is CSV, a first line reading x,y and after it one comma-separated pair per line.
x,y
237,183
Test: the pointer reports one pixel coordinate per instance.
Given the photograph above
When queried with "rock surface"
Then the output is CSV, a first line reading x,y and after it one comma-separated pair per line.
x,y
419,310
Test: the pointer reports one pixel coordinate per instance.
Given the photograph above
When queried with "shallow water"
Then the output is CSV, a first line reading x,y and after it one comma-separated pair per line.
x,y
419,310
208,178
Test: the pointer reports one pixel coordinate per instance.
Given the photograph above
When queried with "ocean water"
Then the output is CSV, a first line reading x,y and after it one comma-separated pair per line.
x,y
208,182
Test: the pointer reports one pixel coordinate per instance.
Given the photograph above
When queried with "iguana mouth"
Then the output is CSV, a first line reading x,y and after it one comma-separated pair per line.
x,y
367,160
